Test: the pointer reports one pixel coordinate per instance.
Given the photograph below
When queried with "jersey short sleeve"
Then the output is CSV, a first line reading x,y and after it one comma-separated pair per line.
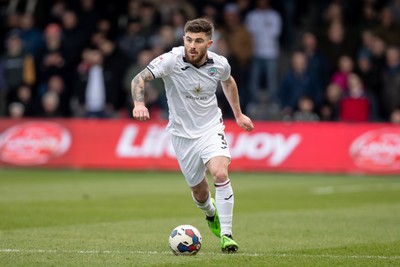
x,y
227,69
162,65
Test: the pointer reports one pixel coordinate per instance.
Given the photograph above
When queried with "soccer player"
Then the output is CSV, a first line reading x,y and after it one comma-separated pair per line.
x,y
191,75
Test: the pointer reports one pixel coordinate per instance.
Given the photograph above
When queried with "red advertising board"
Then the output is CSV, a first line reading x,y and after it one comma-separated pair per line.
x,y
272,146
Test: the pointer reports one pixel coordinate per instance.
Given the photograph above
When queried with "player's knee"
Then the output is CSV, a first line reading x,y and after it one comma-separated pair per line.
x,y
220,175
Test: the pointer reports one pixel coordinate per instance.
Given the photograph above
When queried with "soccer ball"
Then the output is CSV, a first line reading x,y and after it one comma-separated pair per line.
x,y
185,240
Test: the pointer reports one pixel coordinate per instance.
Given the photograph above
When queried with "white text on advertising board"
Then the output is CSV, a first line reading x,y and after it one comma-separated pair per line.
x,y
273,147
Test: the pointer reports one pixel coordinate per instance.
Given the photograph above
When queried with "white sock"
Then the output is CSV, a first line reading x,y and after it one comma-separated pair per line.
x,y
206,206
224,200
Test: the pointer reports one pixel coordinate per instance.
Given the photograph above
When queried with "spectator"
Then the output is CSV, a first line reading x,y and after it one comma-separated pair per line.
x,y
150,19
31,36
265,25
115,63
395,116
316,59
355,87
73,40
298,82
12,22
133,10
378,54
346,66
164,40
104,27
388,30
25,97
132,14
391,82
91,86
367,42
329,110
19,67
211,13
394,6
178,20
289,8
355,106
49,107
57,9
305,110
168,7
88,16
16,110
52,57
337,12
57,85
95,39
372,81
369,17
333,13
132,41
240,46
336,45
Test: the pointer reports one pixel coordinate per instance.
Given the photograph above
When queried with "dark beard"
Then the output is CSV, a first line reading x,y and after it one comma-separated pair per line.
x,y
198,62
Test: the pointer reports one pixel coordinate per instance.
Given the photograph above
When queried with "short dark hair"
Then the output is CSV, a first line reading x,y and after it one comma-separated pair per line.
x,y
200,25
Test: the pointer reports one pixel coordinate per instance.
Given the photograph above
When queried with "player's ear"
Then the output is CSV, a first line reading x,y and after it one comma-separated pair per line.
x,y
209,44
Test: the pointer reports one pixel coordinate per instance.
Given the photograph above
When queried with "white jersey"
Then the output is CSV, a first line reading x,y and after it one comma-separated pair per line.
x,y
192,103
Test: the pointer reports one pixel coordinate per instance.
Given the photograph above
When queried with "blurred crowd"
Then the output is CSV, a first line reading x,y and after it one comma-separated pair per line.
x,y
304,60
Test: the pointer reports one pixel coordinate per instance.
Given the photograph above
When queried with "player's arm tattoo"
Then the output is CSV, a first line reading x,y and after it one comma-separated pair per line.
x,y
137,85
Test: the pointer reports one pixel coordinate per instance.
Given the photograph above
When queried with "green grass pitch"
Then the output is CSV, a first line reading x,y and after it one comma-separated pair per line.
x,y
121,218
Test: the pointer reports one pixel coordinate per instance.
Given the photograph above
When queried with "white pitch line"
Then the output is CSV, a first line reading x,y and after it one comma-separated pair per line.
x,y
337,256
108,252
279,255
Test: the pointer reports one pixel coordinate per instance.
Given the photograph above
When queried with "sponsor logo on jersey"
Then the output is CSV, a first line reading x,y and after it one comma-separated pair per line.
x,y
185,68
196,98
212,71
377,150
33,143
198,89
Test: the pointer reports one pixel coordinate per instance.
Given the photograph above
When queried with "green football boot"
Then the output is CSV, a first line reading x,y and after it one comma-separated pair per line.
x,y
213,222
228,245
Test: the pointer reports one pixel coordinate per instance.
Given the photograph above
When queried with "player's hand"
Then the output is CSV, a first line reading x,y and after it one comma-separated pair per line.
x,y
245,122
140,113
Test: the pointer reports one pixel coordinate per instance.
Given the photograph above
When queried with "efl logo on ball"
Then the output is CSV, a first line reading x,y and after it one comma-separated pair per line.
x,y
33,143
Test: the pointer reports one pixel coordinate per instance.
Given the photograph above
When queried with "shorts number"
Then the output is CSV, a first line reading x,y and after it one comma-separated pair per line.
x,y
223,141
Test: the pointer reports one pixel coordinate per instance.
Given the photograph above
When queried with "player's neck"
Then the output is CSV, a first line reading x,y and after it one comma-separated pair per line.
x,y
201,62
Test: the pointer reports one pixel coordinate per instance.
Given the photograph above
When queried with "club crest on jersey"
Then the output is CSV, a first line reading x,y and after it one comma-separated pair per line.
x,y
212,71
